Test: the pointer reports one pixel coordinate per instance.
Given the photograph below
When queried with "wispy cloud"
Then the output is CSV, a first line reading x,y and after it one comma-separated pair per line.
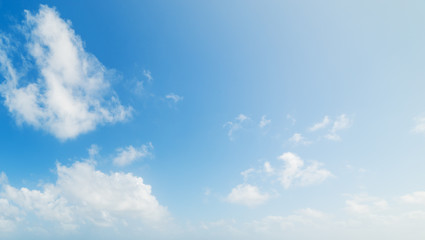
x,y
126,156
235,125
342,122
264,121
415,197
325,122
71,93
364,204
297,138
148,75
291,118
174,97
419,125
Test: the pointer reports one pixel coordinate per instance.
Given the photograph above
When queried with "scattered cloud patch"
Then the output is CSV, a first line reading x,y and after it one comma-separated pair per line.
x,y
303,218
174,97
246,173
342,122
416,197
248,195
67,90
295,173
264,121
235,125
148,75
364,204
419,125
297,138
129,154
325,122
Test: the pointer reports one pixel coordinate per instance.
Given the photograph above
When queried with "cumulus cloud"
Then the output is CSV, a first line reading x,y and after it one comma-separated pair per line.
x,y
83,194
248,195
235,125
128,155
325,122
65,90
264,121
342,122
174,97
9,216
295,173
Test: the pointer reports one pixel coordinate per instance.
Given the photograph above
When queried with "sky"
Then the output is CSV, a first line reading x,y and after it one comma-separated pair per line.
x,y
212,119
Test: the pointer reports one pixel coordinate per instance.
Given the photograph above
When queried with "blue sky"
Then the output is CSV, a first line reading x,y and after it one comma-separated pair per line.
x,y
212,119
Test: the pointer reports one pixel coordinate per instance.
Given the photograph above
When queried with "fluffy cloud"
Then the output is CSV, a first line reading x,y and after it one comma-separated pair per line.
x,y
321,124
9,216
65,91
130,154
248,195
295,173
83,194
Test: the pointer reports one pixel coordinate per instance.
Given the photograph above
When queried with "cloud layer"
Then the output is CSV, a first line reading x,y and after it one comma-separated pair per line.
x,y
65,90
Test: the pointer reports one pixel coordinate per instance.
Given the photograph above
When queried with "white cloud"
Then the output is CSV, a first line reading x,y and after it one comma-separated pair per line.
x,y
247,172
248,195
148,75
305,218
420,125
342,122
264,121
294,172
364,204
83,194
130,154
268,167
235,125
174,97
297,138
325,122
71,93
9,216
416,197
